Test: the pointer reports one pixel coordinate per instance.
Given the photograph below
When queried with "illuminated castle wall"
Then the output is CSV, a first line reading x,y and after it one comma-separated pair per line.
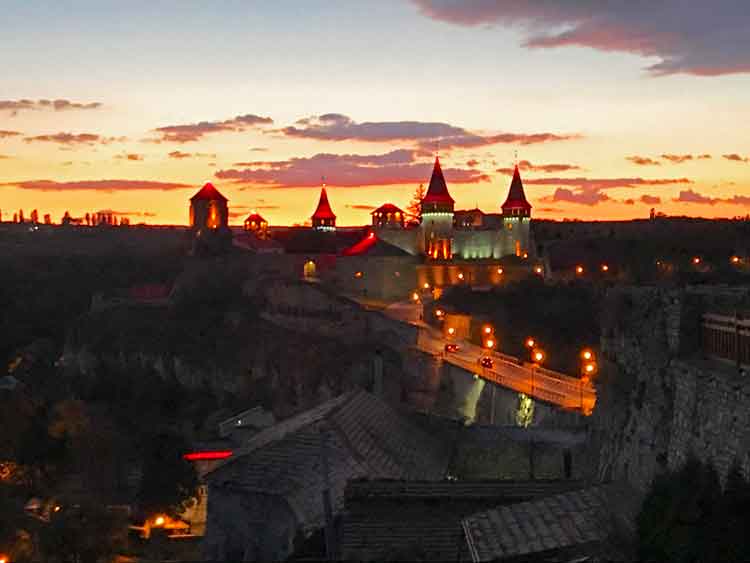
x,y
446,234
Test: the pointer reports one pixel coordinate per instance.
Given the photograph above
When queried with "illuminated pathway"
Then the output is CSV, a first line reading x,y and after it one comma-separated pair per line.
x,y
540,383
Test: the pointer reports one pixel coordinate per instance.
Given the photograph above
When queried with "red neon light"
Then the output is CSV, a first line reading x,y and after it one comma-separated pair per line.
x,y
198,456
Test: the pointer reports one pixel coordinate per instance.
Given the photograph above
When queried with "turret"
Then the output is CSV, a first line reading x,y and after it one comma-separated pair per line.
x,y
517,216
208,209
324,219
437,216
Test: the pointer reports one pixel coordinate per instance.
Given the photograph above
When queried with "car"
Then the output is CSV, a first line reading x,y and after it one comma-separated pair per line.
x,y
486,362
451,347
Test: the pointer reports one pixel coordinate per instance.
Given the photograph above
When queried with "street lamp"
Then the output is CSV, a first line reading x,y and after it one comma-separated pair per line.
x,y
451,331
439,313
499,271
426,285
579,270
538,356
587,354
530,342
538,270
696,260
489,343
415,296
460,275
735,260
488,329
605,268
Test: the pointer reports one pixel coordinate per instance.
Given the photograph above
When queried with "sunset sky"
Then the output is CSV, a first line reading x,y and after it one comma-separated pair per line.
x,y
613,107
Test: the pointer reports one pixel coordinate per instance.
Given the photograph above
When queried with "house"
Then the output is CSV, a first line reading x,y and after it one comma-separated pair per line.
x,y
387,520
590,522
268,496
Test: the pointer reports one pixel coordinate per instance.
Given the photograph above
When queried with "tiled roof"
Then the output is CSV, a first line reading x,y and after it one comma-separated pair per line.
x,y
423,519
437,192
304,240
365,438
516,198
208,191
254,217
552,523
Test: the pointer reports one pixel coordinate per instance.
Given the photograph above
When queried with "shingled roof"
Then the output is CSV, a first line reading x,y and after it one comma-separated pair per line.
x,y
437,192
364,438
583,518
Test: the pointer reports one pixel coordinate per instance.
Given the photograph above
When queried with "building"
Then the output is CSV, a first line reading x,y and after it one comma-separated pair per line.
x,y
268,497
208,209
256,224
446,235
323,219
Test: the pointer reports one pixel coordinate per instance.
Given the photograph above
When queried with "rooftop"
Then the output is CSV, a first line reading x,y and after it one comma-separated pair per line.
x,y
437,192
516,197
208,192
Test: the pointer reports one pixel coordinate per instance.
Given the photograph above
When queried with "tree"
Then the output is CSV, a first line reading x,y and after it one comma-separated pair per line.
x,y
35,216
415,206
169,482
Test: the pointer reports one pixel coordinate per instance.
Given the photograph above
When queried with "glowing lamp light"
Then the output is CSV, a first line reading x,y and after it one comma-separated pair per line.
x,y
4,559
415,296
579,269
500,271
460,275
203,456
696,260
735,259
57,508
538,356
587,354
488,330
530,342
525,255
490,343
590,368
439,313
358,275
605,268
426,285
371,235
451,331
159,521
538,269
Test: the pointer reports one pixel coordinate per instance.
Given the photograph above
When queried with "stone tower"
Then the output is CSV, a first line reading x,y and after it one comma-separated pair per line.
x,y
437,217
517,218
208,210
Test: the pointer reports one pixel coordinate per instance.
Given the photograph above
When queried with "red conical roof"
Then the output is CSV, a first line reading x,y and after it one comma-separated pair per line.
x,y
208,192
516,198
438,190
324,210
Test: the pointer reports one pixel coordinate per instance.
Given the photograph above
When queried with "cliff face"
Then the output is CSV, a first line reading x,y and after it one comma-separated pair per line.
x,y
658,399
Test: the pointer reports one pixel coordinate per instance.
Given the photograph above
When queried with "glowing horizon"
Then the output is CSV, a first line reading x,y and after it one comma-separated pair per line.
x,y
263,100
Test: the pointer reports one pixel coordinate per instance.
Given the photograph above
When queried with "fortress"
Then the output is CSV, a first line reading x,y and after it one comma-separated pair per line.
x,y
393,255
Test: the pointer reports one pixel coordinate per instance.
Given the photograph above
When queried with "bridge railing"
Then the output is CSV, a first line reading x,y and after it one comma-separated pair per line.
x,y
727,337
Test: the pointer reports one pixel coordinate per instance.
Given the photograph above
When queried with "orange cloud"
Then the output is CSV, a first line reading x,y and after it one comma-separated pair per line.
x,y
70,139
525,165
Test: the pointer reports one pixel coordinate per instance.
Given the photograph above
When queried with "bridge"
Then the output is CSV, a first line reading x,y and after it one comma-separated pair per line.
x,y
571,393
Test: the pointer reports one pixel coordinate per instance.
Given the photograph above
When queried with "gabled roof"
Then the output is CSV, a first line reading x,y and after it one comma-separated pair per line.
x,y
255,217
208,192
324,210
516,198
437,192
371,245
387,208
365,438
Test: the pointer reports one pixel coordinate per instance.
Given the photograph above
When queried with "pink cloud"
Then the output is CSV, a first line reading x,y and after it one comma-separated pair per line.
x,y
690,196
180,155
428,135
348,170
698,38
650,199
525,165
15,106
95,185
194,131
70,139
